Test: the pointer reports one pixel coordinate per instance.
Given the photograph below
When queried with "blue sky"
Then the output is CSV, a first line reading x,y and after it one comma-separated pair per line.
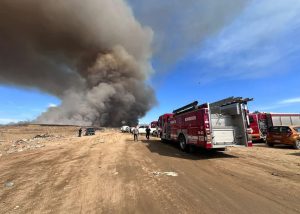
x,y
255,55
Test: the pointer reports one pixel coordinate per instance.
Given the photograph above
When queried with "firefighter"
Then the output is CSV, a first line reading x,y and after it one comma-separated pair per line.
x,y
79,132
148,132
135,132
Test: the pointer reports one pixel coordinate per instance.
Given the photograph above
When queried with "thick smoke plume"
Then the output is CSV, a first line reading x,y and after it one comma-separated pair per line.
x,y
91,54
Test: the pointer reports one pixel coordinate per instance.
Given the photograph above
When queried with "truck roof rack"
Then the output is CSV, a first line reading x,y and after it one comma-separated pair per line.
x,y
229,100
186,108
215,107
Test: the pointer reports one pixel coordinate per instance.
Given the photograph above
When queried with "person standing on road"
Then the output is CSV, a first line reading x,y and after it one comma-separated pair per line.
x,y
79,132
135,133
148,130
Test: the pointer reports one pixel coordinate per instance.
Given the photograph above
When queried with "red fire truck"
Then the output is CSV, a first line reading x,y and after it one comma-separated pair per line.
x,y
260,122
211,126
153,124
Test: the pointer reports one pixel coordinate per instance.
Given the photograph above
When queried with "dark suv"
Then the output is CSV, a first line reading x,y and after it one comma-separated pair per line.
x,y
89,131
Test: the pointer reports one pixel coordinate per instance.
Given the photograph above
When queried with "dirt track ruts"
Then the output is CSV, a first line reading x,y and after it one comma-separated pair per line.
x,y
109,173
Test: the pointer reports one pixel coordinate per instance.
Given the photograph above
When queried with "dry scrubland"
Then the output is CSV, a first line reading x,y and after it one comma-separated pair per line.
x,y
48,169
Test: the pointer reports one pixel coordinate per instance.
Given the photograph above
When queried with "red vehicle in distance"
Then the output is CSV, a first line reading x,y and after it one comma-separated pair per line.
x,y
261,122
154,128
163,125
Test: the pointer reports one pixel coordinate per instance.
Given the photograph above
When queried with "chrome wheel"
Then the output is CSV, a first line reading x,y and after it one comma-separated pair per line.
x,y
297,144
182,143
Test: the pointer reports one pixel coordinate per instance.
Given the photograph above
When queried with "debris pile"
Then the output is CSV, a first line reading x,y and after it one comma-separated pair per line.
x,y
173,174
9,184
30,144
43,136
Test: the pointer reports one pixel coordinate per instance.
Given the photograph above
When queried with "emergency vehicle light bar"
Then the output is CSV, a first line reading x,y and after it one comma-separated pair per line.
x,y
186,108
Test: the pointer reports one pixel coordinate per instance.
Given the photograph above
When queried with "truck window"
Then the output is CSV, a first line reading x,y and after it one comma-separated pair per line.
x,y
251,119
274,129
297,129
285,129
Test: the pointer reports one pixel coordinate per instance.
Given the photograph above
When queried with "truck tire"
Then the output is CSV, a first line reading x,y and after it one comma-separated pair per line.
x,y
270,144
297,144
182,143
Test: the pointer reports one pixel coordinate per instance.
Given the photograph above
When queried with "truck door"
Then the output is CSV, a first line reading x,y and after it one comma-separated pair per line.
x,y
276,134
285,134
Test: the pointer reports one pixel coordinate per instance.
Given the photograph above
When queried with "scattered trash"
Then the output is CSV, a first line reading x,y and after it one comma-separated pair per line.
x,y
31,144
16,207
116,173
43,136
9,184
173,174
274,174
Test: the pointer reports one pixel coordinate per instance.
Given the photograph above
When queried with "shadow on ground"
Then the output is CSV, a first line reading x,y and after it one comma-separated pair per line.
x,y
172,150
278,146
295,154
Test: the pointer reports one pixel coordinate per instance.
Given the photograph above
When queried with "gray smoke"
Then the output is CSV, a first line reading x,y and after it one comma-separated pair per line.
x,y
94,55
181,26
91,54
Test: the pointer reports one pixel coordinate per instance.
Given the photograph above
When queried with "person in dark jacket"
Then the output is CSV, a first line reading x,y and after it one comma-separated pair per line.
x,y
148,130
79,132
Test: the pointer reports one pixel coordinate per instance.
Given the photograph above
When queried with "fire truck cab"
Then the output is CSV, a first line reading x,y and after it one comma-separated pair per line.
x,y
210,126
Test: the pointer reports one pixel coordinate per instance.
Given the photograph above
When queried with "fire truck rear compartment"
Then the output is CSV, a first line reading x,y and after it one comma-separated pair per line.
x,y
228,126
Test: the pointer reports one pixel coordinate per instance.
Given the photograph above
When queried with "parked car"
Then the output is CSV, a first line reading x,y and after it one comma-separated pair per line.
x,y
288,135
125,129
131,129
155,133
142,129
89,131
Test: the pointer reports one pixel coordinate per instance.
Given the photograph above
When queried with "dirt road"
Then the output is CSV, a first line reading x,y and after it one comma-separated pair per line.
x,y
109,173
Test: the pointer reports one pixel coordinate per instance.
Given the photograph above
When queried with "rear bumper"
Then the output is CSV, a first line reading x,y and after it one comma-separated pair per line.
x,y
289,142
210,146
256,137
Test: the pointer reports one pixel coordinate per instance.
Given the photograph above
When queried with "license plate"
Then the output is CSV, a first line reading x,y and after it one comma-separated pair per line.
x,y
277,141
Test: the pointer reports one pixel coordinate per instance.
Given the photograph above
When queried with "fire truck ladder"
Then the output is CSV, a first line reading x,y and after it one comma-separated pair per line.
x,y
228,101
187,108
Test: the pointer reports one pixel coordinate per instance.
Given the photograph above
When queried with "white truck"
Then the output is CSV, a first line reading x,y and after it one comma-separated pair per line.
x,y
125,129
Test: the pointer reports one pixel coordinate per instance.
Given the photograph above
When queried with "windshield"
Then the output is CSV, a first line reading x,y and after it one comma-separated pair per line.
x,y
297,129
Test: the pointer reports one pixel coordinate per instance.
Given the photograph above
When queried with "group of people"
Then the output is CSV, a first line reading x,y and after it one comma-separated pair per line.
x,y
136,133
